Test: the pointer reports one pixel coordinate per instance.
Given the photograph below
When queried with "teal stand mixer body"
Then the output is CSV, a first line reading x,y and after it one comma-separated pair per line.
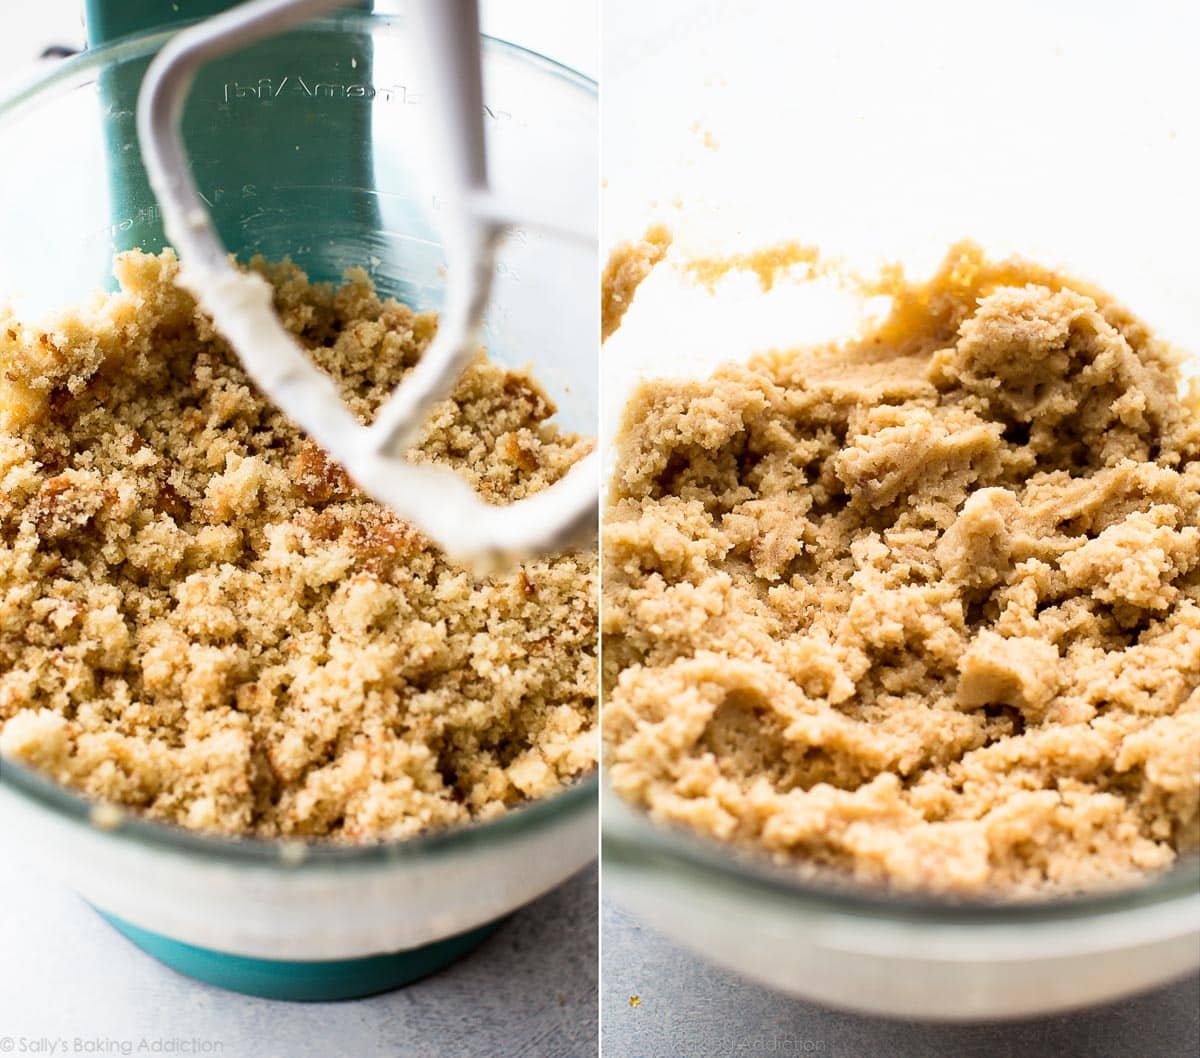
x,y
247,114
251,123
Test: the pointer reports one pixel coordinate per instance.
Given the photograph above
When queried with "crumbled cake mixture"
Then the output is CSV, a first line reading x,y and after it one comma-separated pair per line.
x,y
628,266
922,610
202,619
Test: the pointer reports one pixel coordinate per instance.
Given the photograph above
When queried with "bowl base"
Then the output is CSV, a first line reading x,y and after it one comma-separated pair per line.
x,y
310,982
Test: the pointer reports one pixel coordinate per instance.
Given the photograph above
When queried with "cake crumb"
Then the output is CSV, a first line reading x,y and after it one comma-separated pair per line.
x,y
627,267
766,264
202,620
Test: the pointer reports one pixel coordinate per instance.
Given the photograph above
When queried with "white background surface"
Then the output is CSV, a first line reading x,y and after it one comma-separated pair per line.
x,y
528,992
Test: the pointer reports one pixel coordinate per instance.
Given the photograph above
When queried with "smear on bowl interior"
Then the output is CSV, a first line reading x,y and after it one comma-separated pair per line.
x,y
628,266
203,620
921,608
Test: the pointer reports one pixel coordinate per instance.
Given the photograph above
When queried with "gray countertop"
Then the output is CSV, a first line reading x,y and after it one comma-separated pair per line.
x,y
688,1008
528,992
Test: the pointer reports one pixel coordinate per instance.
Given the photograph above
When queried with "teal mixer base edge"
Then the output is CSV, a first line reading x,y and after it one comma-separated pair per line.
x,y
306,982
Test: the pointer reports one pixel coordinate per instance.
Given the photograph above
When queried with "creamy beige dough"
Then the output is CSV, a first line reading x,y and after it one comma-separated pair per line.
x,y
203,620
922,609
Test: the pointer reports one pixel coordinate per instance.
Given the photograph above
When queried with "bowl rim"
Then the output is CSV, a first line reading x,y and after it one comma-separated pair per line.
x,y
632,840
33,88
284,853
299,852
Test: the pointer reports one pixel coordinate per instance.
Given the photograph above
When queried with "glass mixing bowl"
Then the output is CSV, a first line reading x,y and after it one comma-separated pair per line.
x,y
887,132
307,145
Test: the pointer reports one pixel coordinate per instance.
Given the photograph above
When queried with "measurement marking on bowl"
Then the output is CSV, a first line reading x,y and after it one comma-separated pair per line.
x,y
150,214
295,86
